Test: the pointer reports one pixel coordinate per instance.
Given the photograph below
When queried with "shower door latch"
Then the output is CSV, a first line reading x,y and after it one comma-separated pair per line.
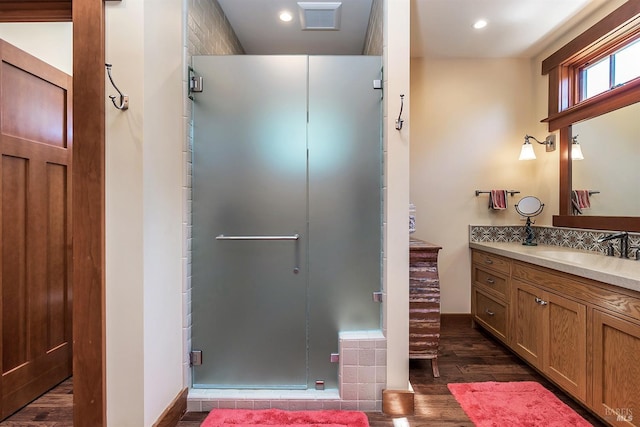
x,y
377,84
377,296
196,84
195,358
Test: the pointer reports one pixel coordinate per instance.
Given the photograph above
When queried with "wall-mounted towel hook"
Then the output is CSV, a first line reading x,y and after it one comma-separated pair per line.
x,y
399,121
124,99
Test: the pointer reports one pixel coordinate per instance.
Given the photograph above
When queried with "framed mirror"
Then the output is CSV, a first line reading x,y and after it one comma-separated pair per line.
x,y
607,179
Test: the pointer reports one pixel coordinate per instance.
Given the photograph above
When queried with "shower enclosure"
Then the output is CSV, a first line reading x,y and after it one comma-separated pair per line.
x,y
286,248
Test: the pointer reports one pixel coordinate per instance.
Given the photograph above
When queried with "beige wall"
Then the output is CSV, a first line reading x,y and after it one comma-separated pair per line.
x,y
52,42
469,118
396,192
144,268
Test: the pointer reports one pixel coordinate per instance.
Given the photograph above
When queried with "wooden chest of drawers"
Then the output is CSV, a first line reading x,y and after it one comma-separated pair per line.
x,y
424,302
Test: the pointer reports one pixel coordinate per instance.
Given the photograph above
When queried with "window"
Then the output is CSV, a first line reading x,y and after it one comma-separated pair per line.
x,y
613,70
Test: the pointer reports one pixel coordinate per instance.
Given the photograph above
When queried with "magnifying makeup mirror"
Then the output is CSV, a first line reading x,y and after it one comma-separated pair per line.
x,y
529,207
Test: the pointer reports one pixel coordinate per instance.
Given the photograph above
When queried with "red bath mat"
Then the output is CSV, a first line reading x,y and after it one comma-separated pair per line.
x,y
278,417
514,404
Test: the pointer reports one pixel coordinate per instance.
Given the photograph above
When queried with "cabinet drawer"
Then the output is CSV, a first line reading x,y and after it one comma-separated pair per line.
x,y
490,280
491,313
494,262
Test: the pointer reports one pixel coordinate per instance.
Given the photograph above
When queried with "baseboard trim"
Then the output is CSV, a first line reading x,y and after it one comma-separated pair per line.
x,y
398,402
174,411
456,316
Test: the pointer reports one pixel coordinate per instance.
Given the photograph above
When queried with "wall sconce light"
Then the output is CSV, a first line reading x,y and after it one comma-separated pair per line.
x,y
576,150
527,149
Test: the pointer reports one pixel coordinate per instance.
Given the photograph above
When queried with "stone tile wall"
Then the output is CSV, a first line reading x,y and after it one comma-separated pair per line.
x,y
373,40
554,236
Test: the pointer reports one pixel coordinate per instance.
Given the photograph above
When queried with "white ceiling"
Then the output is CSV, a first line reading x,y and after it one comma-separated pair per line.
x,y
260,31
439,28
516,28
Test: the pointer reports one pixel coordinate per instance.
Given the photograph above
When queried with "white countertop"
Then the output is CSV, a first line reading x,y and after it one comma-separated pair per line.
x,y
613,270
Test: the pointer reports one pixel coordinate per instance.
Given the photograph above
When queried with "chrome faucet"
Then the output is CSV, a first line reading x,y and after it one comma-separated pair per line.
x,y
624,243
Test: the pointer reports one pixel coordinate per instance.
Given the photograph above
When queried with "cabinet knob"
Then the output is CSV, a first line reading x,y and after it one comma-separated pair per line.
x,y
541,301
490,280
488,261
489,312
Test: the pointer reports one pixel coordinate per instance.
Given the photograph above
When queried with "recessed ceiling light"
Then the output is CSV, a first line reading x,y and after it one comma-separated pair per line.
x,y
480,23
285,16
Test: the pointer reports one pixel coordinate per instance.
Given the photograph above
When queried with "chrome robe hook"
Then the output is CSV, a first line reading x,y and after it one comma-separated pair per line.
x,y
124,99
399,120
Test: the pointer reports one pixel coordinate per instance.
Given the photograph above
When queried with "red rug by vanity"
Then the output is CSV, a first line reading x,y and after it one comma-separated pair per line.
x,y
514,404
278,417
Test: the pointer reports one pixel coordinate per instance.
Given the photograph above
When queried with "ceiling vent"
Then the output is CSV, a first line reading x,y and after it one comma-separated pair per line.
x,y
320,15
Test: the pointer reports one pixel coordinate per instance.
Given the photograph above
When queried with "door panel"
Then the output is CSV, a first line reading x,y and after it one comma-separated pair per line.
x,y
344,203
249,168
566,343
14,262
616,373
35,216
528,314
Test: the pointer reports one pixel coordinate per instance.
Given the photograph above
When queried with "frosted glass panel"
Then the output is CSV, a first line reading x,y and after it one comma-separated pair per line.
x,y
249,179
344,202
266,312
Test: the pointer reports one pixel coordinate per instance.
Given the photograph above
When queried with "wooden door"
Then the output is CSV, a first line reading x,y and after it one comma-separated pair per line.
x,y
616,372
35,225
565,343
527,321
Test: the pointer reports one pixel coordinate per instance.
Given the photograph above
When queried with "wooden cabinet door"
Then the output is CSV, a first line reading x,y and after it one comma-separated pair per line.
x,y
616,371
565,343
527,321
35,225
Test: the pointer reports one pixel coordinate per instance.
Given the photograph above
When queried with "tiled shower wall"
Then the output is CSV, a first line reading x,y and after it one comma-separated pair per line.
x,y
362,371
373,40
554,236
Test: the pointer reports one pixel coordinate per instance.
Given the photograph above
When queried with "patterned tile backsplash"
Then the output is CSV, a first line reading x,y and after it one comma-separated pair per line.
x,y
554,236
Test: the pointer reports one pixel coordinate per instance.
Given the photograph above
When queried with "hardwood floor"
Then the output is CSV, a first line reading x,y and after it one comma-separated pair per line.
x,y
53,409
466,355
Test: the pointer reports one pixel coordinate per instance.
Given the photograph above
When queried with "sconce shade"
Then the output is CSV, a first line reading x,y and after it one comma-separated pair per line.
x,y
576,150
527,149
527,152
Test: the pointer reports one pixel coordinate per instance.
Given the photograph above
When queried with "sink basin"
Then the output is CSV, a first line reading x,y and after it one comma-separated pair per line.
x,y
570,256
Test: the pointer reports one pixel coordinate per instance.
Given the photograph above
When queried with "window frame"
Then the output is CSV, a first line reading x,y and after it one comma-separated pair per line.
x,y
613,32
579,67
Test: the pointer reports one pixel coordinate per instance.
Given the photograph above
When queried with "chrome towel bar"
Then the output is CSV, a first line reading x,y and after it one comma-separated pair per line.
x,y
292,237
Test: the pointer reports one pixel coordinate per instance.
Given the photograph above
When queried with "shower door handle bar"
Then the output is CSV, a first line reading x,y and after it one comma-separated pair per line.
x,y
292,237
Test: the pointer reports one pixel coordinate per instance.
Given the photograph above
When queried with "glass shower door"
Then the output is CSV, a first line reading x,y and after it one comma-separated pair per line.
x,y
249,231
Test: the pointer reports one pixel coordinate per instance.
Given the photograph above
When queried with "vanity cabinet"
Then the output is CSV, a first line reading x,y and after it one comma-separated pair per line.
x,y
490,293
582,334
